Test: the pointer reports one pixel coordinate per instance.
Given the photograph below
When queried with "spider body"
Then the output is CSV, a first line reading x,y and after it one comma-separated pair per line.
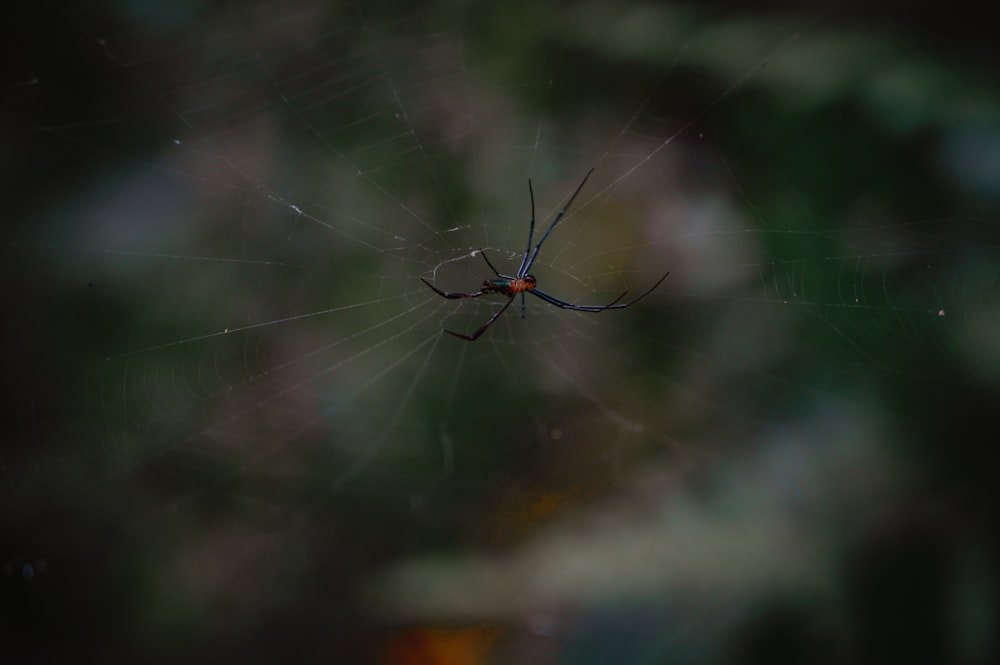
x,y
522,282
508,286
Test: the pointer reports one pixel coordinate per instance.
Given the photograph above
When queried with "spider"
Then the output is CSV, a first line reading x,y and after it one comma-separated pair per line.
x,y
523,282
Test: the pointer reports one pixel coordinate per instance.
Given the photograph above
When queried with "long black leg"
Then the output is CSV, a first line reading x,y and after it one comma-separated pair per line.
x,y
579,308
495,271
474,336
614,304
526,265
531,230
451,296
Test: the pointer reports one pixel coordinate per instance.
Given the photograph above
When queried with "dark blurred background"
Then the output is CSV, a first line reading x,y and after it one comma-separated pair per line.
x,y
235,430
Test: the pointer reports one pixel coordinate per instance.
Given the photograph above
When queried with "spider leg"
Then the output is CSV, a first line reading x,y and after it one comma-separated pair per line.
x,y
495,271
522,304
614,304
451,296
526,265
562,304
644,293
531,230
474,336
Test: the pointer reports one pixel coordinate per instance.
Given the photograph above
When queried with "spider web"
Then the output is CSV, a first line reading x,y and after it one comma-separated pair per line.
x,y
222,355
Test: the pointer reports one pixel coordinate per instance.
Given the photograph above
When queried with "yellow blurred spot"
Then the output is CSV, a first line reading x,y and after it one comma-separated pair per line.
x,y
441,646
